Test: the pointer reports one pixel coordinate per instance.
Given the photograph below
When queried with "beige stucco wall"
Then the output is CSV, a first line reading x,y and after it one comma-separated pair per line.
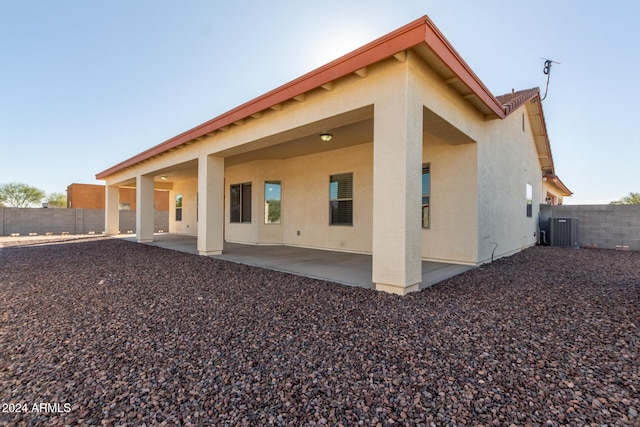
x,y
508,162
189,191
305,200
452,234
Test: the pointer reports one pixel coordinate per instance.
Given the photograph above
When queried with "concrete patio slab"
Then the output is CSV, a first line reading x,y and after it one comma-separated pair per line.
x,y
340,267
346,268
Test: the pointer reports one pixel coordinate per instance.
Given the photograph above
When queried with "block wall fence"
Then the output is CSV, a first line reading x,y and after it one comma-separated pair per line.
x,y
25,221
602,226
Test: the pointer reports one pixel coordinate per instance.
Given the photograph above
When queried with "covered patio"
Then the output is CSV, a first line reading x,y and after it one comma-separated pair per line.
x,y
340,267
379,152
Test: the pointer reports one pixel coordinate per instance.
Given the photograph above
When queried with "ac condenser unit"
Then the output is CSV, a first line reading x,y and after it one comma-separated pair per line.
x,y
563,232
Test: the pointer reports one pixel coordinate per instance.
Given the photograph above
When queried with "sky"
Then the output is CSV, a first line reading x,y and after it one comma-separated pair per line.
x,y
85,85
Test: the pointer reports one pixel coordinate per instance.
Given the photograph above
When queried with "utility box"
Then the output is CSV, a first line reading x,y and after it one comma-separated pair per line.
x,y
563,232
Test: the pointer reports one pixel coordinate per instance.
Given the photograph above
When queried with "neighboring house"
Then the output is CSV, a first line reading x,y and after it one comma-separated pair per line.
x,y
91,196
554,190
396,150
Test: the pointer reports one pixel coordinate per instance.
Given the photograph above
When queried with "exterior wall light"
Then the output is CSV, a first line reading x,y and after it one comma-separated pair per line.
x,y
326,137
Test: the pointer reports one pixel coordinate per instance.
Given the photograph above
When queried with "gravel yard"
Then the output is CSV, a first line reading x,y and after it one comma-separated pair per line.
x,y
107,332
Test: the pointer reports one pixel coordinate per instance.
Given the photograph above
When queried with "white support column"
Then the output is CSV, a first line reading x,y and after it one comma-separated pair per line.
x,y
397,169
112,210
210,205
144,208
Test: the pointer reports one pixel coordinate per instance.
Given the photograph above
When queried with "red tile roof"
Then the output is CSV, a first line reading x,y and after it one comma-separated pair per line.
x,y
511,101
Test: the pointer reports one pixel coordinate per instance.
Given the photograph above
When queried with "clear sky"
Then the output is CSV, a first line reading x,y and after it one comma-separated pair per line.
x,y
87,84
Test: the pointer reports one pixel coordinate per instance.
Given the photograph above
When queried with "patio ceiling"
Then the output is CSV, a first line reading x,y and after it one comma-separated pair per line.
x,y
348,129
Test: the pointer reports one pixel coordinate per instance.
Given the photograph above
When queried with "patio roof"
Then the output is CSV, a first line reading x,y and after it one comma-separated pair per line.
x,y
421,36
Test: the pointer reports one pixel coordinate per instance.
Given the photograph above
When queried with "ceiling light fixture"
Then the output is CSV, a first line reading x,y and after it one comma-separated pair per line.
x,y
164,177
326,137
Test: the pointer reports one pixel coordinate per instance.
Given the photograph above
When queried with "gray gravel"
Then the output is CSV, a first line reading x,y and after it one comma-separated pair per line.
x,y
109,332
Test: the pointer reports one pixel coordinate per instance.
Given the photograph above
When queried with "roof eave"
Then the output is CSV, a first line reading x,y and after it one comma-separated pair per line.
x,y
558,183
421,30
538,101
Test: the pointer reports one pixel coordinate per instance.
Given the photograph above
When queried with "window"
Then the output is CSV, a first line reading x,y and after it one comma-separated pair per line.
x,y
178,207
426,194
272,203
341,199
240,203
529,201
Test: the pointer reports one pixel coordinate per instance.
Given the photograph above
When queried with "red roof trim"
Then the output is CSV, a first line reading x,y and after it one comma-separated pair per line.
x,y
419,31
445,51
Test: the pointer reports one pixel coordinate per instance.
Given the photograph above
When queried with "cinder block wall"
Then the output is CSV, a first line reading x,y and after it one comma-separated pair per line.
x,y
608,226
73,221
128,221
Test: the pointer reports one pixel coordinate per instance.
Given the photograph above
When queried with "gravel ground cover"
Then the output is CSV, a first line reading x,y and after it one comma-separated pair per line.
x,y
107,332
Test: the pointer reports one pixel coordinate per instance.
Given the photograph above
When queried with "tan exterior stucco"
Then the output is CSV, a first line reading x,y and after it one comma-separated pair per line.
x,y
508,162
387,120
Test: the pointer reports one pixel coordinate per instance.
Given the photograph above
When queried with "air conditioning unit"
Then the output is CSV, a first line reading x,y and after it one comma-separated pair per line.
x,y
563,232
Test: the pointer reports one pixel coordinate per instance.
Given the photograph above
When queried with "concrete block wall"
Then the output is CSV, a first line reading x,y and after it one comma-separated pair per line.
x,y
128,221
73,221
607,226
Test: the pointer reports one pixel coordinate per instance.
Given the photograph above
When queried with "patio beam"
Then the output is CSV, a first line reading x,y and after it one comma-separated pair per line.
x,y
397,168
112,210
144,208
210,205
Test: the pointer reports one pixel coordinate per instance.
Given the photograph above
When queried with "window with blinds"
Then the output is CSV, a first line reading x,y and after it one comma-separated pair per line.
x,y
341,199
240,201
426,194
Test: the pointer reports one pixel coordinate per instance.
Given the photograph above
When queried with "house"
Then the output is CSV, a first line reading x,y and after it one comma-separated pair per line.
x,y
396,149
91,196
553,189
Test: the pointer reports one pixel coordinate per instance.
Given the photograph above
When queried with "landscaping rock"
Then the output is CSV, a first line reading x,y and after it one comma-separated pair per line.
x,y
108,332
